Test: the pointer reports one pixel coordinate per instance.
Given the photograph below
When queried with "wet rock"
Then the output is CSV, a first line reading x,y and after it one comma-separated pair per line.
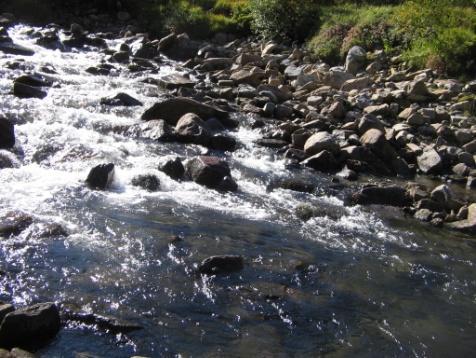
x,y
120,57
101,176
390,196
175,80
157,130
173,168
324,161
306,212
211,172
355,60
148,182
7,134
49,230
34,80
271,143
172,109
423,215
247,77
222,142
442,194
430,162
191,128
14,49
5,308
25,91
108,323
121,99
319,142
468,225
215,64
31,326
147,51
295,184
14,222
220,265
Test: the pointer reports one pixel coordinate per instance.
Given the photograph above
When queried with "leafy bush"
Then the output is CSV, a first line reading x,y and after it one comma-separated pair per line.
x,y
284,19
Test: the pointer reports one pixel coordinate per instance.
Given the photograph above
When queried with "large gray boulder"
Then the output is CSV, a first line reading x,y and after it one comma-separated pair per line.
x,y
468,225
430,162
100,177
389,196
355,60
191,128
319,142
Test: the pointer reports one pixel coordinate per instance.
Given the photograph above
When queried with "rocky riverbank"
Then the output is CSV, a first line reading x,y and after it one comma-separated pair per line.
x,y
369,124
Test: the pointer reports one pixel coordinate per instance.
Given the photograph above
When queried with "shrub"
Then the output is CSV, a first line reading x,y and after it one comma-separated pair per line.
x,y
284,19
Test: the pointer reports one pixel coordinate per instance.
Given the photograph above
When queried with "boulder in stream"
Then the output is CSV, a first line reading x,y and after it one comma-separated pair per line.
x,y
14,222
101,176
173,168
172,109
31,326
148,182
211,172
121,99
389,195
7,134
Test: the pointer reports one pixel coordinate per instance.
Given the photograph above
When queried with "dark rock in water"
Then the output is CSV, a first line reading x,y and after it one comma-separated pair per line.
x,y
174,80
14,49
120,57
101,176
173,168
423,215
14,222
31,326
121,99
99,70
156,130
48,230
306,212
191,128
222,142
271,143
295,184
7,134
24,91
219,265
147,182
109,323
323,161
390,196
147,50
172,109
211,172
34,80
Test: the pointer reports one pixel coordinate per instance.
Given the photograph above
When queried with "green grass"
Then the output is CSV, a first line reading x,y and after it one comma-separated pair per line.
x,y
433,34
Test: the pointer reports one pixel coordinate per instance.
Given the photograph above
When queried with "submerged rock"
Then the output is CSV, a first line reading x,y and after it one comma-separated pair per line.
x,y
220,265
25,91
14,222
211,172
101,176
109,323
14,49
148,182
31,326
191,128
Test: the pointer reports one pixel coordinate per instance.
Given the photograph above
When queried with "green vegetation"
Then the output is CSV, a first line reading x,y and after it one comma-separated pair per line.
x,y
437,34
440,34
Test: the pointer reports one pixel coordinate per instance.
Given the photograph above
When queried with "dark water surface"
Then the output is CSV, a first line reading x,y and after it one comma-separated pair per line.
x,y
357,282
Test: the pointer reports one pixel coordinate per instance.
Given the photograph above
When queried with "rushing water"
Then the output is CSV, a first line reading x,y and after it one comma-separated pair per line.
x,y
354,282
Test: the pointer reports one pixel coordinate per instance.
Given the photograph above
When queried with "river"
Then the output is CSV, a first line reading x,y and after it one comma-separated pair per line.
x,y
354,282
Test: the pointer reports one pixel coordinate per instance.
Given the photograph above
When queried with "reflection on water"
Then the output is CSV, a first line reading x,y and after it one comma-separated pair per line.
x,y
352,282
